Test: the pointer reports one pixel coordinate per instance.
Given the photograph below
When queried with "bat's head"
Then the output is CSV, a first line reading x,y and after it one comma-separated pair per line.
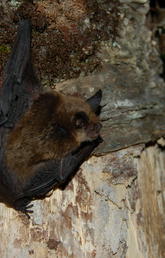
x,y
81,117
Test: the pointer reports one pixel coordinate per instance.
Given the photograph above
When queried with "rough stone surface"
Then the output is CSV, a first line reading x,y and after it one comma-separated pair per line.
x,y
88,219
147,222
114,206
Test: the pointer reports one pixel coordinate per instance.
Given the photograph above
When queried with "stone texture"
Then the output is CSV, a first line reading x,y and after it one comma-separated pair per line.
x,y
114,206
87,219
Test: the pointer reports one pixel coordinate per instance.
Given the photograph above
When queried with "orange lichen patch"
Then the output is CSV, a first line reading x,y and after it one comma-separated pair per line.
x,y
62,14
66,35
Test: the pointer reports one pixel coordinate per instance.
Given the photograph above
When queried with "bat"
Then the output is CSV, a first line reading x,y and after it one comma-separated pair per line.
x,y
44,136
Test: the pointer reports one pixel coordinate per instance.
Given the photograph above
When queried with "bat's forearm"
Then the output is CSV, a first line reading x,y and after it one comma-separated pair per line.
x,y
73,161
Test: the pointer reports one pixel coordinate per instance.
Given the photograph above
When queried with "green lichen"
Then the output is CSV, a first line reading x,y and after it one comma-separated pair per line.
x,y
4,49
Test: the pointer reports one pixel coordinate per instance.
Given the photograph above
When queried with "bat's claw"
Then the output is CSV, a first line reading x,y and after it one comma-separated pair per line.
x,y
26,210
24,206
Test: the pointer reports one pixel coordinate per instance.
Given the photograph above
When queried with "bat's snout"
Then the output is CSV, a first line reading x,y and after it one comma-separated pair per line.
x,y
93,130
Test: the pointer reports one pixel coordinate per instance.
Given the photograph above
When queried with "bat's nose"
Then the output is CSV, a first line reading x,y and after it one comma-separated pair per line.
x,y
97,127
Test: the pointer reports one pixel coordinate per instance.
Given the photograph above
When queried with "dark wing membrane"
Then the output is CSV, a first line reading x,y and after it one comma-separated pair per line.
x,y
57,172
20,82
19,88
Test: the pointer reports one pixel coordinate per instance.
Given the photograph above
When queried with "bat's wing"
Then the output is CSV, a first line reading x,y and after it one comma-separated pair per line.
x,y
20,82
56,172
19,88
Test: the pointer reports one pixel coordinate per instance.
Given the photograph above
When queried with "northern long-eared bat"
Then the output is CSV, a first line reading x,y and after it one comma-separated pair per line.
x,y
45,137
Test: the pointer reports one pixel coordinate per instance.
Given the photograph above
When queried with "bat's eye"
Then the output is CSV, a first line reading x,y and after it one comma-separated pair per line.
x,y
79,124
80,120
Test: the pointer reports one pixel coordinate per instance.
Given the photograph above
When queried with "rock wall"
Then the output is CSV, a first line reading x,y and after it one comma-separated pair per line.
x,y
114,206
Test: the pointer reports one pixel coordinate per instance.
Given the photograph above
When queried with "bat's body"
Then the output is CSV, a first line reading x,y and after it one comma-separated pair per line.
x,y
44,137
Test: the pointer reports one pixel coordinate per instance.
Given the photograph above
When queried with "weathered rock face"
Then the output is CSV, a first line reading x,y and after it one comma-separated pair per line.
x,y
114,206
133,91
89,219
105,211
150,216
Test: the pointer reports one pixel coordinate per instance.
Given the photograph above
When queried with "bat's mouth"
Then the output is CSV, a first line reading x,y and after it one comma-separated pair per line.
x,y
93,130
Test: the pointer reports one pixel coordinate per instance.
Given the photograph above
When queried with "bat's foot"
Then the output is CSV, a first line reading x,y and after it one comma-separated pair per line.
x,y
26,210
24,206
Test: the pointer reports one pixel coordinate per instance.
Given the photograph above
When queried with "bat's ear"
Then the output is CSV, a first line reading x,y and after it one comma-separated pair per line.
x,y
94,102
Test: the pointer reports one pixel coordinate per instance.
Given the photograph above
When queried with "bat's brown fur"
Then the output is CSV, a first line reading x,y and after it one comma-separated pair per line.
x,y
47,131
